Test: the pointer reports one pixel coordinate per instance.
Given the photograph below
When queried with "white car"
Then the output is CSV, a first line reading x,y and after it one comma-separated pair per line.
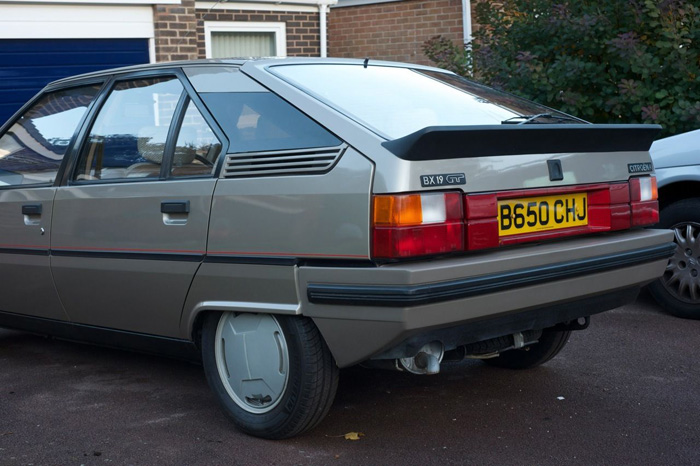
x,y
677,163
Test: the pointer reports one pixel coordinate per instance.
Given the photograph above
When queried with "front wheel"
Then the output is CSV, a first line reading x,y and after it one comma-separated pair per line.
x,y
273,375
678,289
549,345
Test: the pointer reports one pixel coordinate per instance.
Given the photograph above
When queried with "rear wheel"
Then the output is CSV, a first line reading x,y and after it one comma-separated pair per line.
x,y
549,345
274,375
678,289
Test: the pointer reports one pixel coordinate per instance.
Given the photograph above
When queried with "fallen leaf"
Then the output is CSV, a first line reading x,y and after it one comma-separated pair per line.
x,y
354,435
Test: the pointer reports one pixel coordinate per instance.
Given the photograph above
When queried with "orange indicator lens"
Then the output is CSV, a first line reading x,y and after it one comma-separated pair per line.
x,y
398,210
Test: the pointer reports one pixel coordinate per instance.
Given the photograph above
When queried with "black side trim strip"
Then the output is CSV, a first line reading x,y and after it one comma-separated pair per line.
x,y
411,295
140,342
157,256
191,257
451,142
223,259
288,261
26,251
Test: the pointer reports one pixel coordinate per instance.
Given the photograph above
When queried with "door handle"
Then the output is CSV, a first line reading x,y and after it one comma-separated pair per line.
x,y
31,209
175,207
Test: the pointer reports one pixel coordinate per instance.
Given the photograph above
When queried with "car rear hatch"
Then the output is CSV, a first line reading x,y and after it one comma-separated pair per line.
x,y
489,186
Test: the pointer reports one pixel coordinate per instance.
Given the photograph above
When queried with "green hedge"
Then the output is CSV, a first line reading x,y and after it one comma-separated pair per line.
x,y
607,61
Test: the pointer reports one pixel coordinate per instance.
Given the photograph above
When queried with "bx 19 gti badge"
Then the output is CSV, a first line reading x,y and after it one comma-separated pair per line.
x,y
447,179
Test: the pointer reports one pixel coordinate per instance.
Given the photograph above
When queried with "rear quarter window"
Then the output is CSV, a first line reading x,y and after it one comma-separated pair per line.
x,y
262,122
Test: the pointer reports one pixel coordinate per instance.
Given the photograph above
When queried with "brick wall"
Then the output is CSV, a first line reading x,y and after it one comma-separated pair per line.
x,y
302,28
175,31
179,30
392,31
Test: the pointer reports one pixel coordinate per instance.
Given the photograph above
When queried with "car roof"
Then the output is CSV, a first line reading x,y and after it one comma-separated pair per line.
x,y
227,61
147,67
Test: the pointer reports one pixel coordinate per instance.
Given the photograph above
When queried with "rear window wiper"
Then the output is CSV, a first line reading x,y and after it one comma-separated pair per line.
x,y
525,119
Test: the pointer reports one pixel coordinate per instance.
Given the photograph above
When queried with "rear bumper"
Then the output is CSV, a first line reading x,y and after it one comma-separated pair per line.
x,y
386,311
413,295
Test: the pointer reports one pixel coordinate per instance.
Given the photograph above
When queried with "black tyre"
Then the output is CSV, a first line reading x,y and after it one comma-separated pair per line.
x,y
678,289
549,345
273,375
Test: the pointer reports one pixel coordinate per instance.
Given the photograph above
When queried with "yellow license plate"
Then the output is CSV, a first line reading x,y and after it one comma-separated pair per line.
x,y
532,214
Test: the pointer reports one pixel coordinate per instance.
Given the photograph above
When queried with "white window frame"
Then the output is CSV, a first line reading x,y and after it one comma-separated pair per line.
x,y
279,29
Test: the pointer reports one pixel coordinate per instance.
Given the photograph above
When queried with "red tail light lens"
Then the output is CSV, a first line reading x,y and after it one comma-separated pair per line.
x,y
643,201
414,225
480,212
609,208
643,189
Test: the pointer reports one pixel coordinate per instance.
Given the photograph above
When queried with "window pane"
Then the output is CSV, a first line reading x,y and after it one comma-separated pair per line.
x,y
128,137
197,147
242,44
395,101
32,149
261,121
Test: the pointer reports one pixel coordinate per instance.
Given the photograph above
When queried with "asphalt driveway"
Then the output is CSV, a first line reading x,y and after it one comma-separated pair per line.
x,y
626,391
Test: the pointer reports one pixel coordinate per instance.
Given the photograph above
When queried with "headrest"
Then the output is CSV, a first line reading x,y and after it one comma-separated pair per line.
x,y
151,145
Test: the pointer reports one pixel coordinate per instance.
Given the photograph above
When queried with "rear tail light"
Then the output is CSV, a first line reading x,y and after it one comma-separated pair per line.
x,y
415,225
643,201
480,212
643,189
609,208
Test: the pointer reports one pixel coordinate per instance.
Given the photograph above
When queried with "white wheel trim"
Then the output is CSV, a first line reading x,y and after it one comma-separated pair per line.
x,y
252,359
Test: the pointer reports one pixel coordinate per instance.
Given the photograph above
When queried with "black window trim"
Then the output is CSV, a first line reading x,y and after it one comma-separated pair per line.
x,y
171,144
69,163
50,88
188,94
171,138
106,92
213,125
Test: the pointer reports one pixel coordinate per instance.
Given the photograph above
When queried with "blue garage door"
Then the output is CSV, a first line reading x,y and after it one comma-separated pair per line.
x,y
27,65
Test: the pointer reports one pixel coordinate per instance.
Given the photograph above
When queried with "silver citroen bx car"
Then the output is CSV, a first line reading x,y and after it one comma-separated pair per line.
x,y
282,219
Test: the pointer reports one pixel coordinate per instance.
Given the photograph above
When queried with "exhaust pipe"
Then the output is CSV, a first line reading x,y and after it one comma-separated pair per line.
x,y
427,361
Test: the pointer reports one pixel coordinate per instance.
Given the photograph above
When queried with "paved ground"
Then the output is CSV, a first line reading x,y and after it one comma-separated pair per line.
x,y
626,391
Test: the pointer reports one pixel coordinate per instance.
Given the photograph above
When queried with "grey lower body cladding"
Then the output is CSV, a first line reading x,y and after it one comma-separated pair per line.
x,y
425,294
368,313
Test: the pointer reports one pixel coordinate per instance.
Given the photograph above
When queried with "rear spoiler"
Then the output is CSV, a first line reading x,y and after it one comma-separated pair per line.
x,y
454,142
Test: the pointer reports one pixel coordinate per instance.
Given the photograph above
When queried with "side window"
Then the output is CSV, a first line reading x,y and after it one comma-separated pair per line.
x,y
262,121
128,137
197,148
32,149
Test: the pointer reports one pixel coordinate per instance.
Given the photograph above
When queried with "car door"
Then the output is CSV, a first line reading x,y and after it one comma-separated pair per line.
x,y
130,224
31,152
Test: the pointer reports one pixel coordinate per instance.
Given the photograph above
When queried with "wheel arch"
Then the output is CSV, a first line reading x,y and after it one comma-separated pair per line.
x,y
673,192
195,319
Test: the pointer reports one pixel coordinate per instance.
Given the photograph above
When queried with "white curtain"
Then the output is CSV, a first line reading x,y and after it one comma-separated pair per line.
x,y
242,44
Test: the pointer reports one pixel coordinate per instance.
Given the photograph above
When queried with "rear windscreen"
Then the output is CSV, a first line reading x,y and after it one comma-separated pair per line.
x,y
396,101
